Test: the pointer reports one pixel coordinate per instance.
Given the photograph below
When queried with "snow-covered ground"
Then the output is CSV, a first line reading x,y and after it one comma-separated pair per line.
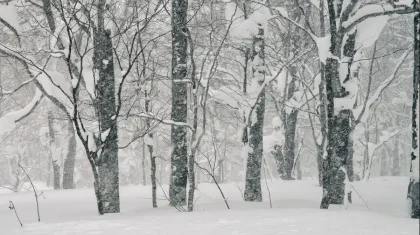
x,y
295,211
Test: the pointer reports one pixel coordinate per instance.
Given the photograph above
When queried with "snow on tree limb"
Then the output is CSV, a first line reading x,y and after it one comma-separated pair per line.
x,y
8,121
374,10
363,112
9,18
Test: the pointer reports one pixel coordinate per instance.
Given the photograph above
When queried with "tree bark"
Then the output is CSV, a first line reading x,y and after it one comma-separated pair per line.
x,y
255,141
68,171
179,155
143,162
337,164
107,164
56,169
290,121
396,165
150,148
414,186
53,147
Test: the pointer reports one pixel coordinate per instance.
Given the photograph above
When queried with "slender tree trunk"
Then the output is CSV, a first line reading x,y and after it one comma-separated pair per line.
x,y
414,186
396,165
179,155
384,159
323,103
278,157
53,150
69,162
148,109
255,141
57,177
143,162
289,146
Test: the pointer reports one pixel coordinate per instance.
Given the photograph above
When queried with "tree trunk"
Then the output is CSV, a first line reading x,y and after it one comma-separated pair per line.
x,y
413,194
255,141
143,162
289,146
68,171
278,157
396,166
56,169
179,155
150,148
108,184
384,165
336,165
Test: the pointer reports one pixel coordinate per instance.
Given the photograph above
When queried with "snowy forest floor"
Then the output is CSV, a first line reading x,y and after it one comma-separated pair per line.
x,y
295,211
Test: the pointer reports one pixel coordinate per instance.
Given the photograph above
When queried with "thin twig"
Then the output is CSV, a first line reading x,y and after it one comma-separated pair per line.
x,y
268,189
12,207
36,195
215,181
360,196
179,208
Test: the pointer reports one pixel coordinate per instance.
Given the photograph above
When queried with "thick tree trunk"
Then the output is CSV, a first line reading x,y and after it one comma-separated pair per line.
x,y
289,145
414,186
179,155
337,164
68,171
255,141
108,184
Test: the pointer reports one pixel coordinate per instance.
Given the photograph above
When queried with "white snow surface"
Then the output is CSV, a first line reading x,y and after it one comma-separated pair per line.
x,y
9,14
368,31
295,211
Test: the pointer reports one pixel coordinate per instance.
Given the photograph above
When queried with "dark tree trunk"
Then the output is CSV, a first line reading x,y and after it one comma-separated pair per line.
x,y
107,165
179,156
322,101
255,141
414,186
337,164
68,171
289,145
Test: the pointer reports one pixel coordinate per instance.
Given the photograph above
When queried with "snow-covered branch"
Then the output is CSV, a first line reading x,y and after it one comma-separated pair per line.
x,y
363,112
374,10
8,121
